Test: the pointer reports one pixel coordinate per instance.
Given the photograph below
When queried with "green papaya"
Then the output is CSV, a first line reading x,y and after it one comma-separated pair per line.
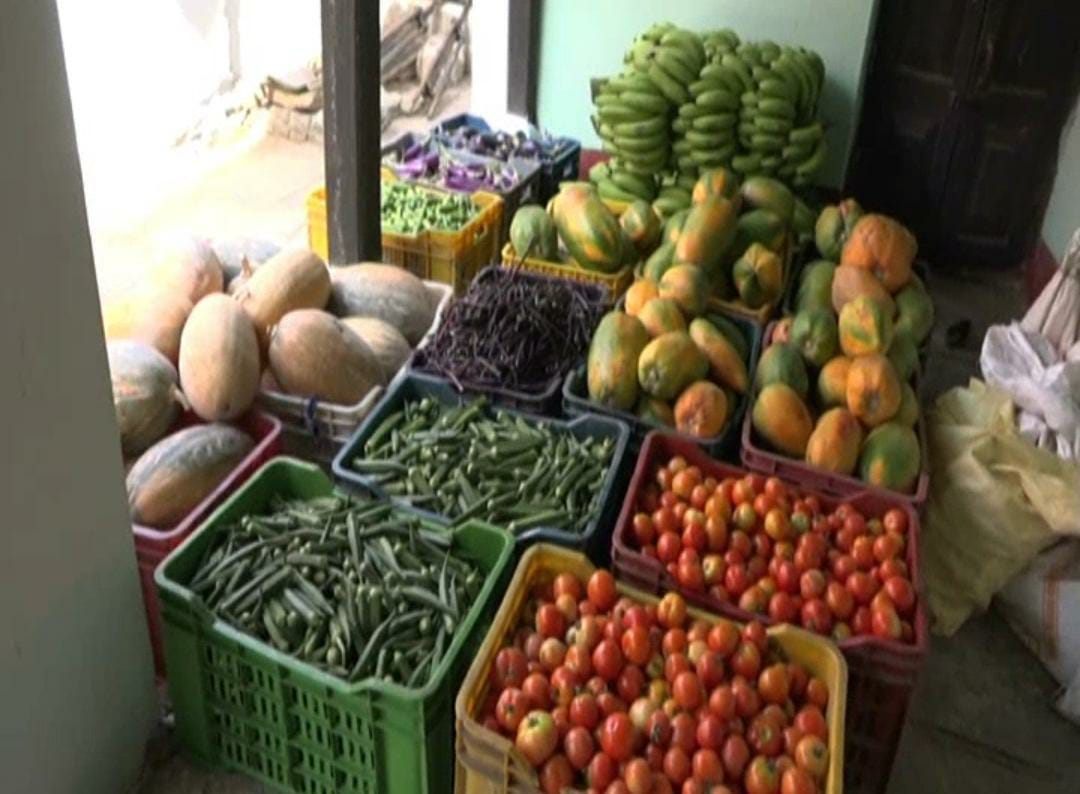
x,y
612,369
533,234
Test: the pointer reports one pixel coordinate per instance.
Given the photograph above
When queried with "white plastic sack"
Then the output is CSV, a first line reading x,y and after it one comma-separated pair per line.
x,y
1040,605
1045,387
1055,314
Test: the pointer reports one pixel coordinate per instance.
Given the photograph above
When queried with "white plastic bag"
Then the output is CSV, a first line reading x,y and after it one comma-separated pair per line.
x,y
1045,387
1055,314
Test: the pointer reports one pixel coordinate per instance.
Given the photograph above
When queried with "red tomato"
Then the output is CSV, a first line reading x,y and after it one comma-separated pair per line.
x,y
797,679
888,547
658,729
511,708
578,746
796,781
722,703
756,567
811,722
817,693
782,608
862,587
812,584
638,776
765,736
723,638
550,622
684,732
860,621
511,667
671,611
754,632
747,699
839,600
792,735
891,568
707,766
712,569
762,776
631,683
755,599
617,736
691,576
746,661
901,593
563,686
531,647
617,787
664,521
736,579
579,660
601,772
537,690
643,528
556,775
735,755
686,689
674,664
537,737
812,756
786,574
843,567
710,669
816,616
552,652
895,520
566,604
601,589
607,660
677,765
567,583
740,542
674,642
584,711
774,684
716,533
776,524
862,551
636,646
694,536
683,483
885,623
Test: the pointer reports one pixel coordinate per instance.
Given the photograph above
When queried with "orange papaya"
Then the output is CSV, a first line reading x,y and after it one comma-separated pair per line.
x,y
687,286
641,292
669,364
715,182
661,315
835,442
873,390
642,226
782,419
758,276
701,410
590,231
864,327
726,366
707,233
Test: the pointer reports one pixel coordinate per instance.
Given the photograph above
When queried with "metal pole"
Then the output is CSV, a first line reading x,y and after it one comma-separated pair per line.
x,y
350,42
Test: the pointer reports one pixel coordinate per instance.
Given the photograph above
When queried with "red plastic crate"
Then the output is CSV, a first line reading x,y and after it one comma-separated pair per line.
x,y
769,463
154,545
881,673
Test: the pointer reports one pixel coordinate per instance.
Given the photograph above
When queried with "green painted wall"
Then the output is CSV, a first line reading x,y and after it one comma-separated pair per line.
x,y
1063,211
586,38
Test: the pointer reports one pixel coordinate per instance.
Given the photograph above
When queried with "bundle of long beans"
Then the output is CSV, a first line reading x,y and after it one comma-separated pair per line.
x,y
515,331
348,586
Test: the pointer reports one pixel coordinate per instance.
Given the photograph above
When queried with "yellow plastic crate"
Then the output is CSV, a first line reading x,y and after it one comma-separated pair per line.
x,y
615,283
487,763
452,258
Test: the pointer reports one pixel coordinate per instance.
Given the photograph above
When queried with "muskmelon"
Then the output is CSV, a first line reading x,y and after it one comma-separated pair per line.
x,y
386,292
219,359
289,280
385,341
171,478
314,354
156,318
188,267
146,394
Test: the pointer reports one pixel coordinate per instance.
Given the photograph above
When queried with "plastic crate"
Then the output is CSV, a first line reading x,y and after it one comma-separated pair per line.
x,y
546,401
334,421
576,402
594,541
615,283
756,457
769,310
244,705
881,673
449,257
153,545
553,170
488,763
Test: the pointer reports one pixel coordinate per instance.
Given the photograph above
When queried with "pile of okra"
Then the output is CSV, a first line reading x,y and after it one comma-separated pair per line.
x,y
349,586
409,209
465,462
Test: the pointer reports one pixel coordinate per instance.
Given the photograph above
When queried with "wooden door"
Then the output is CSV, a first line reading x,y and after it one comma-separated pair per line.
x,y
963,109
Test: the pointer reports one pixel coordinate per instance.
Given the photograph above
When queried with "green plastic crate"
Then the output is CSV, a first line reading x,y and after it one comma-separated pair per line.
x,y
244,705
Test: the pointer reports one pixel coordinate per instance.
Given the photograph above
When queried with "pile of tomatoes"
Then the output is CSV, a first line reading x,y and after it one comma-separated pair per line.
x,y
602,693
755,543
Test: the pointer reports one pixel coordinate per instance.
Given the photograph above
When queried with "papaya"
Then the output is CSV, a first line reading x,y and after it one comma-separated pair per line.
x,y
904,357
654,411
589,230
908,412
814,333
782,419
701,410
815,286
661,315
612,362
732,333
890,457
641,292
873,390
669,364
658,262
834,226
687,286
832,382
759,226
715,182
726,366
834,445
882,246
849,283
914,313
707,233
533,234
642,226
864,328
782,363
762,192
758,276
782,329
673,226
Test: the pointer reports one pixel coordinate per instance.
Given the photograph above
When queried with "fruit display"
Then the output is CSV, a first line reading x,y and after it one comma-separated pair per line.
x,y
849,355
689,102
598,688
731,539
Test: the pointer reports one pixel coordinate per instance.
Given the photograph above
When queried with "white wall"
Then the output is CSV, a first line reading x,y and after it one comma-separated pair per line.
x,y
76,684
1063,210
